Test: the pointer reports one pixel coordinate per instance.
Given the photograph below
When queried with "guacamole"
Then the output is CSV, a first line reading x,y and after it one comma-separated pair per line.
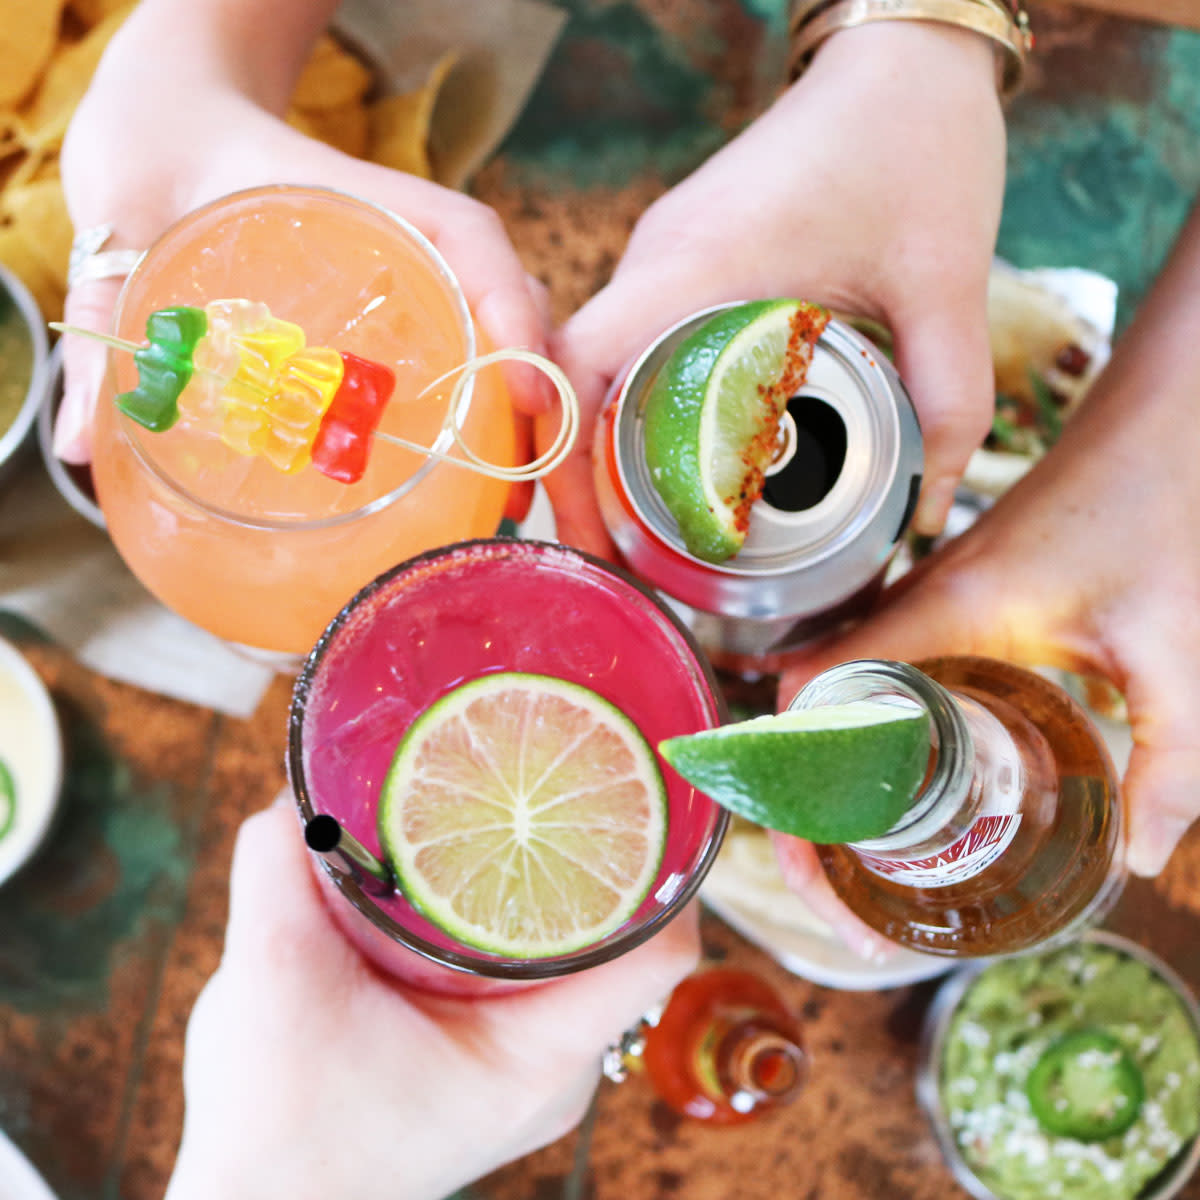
x,y
16,361
1133,1033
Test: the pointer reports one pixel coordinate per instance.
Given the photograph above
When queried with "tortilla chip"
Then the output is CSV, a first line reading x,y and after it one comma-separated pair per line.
x,y
51,107
343,128
39,211
28,31
298,119
400,124
91,12
22,259
11,134
332,78
49,169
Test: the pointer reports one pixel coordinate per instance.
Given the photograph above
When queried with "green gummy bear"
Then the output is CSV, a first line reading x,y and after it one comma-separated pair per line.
x,y
177,329
164,367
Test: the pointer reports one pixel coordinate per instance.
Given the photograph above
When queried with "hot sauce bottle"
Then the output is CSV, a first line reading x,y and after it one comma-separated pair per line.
x,y
725,1049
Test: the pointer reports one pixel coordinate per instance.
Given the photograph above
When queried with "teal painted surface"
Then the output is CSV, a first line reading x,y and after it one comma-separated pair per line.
x,y
1105,182
618,99
87,925
1101,181
17,629
112,875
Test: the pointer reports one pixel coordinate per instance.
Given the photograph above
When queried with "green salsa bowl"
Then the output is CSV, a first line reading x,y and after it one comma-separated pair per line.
x,y
23,351
1017,1051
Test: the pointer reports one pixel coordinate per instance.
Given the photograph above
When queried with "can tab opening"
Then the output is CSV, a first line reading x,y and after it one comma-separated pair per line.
x,y
809,455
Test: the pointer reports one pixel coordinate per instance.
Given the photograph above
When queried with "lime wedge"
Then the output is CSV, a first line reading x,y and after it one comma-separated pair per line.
x,y
835,774
524,815
8,799
713,412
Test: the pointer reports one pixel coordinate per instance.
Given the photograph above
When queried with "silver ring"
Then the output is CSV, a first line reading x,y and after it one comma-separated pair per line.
x,y
630,1046
88,261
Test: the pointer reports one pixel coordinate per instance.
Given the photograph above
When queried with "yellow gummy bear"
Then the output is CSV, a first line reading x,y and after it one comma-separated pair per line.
x,y
262,351
304,390
217,357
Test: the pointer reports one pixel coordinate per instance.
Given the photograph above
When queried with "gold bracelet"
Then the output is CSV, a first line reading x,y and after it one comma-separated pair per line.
x,y
991,18
802,10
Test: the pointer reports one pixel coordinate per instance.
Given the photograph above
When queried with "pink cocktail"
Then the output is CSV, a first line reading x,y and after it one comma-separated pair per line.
x,y
456,614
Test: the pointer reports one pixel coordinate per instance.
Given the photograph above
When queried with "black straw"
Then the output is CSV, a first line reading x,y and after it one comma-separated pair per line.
x,y
325,836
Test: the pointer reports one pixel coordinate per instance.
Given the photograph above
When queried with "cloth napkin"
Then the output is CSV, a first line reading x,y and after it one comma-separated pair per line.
x,y
63,576
499,50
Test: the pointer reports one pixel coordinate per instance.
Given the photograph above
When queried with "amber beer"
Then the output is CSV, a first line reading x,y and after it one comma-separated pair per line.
x,y
838,496
1016,839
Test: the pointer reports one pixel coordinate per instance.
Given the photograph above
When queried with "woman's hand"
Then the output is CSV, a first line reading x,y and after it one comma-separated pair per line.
x,y
309,1074
175,118
873,186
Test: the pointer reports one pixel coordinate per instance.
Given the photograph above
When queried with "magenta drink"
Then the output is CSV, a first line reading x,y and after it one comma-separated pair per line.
x,y
457,614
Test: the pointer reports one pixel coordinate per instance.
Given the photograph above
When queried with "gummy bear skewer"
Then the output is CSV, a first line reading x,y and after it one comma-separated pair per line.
x,y
249,375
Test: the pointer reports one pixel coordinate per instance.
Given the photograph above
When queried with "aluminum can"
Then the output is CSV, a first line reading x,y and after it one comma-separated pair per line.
x,y
839,495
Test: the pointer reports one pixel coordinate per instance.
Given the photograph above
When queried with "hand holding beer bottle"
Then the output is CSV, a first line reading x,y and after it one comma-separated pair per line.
x,y
839,194
1088,564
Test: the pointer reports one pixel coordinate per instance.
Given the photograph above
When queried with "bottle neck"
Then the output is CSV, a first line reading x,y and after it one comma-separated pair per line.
x,y
757,1064
973,760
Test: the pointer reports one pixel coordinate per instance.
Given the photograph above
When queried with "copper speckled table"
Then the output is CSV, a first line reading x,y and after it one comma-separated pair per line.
x,y
104,947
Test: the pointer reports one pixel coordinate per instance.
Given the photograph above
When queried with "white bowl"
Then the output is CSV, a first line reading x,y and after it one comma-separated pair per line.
x,y
18,1179
31,746
14,438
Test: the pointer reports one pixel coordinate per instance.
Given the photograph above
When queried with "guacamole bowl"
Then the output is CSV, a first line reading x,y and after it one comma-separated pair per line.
x,y
23,350
1073,1074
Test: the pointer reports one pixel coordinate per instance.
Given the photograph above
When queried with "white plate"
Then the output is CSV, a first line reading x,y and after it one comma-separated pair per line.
x,y
18,1179
31,745
745,889
825,960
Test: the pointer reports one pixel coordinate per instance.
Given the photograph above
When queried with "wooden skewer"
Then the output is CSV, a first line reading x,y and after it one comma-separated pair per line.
x,y
546,462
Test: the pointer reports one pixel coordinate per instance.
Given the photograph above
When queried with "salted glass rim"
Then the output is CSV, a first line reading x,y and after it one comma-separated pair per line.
x,y
484,965
442,445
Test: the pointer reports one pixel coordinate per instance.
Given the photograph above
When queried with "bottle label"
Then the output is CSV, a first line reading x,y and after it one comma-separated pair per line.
x,y
988,838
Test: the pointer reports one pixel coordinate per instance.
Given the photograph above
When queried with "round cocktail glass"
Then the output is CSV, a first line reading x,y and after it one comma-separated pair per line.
x,y
265,559
452,615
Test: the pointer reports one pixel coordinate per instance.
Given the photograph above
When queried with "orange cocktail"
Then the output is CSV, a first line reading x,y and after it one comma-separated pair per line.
x,y
256,556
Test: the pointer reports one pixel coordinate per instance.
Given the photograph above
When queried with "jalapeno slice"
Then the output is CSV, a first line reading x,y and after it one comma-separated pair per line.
x,y
8,799
1085,1086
